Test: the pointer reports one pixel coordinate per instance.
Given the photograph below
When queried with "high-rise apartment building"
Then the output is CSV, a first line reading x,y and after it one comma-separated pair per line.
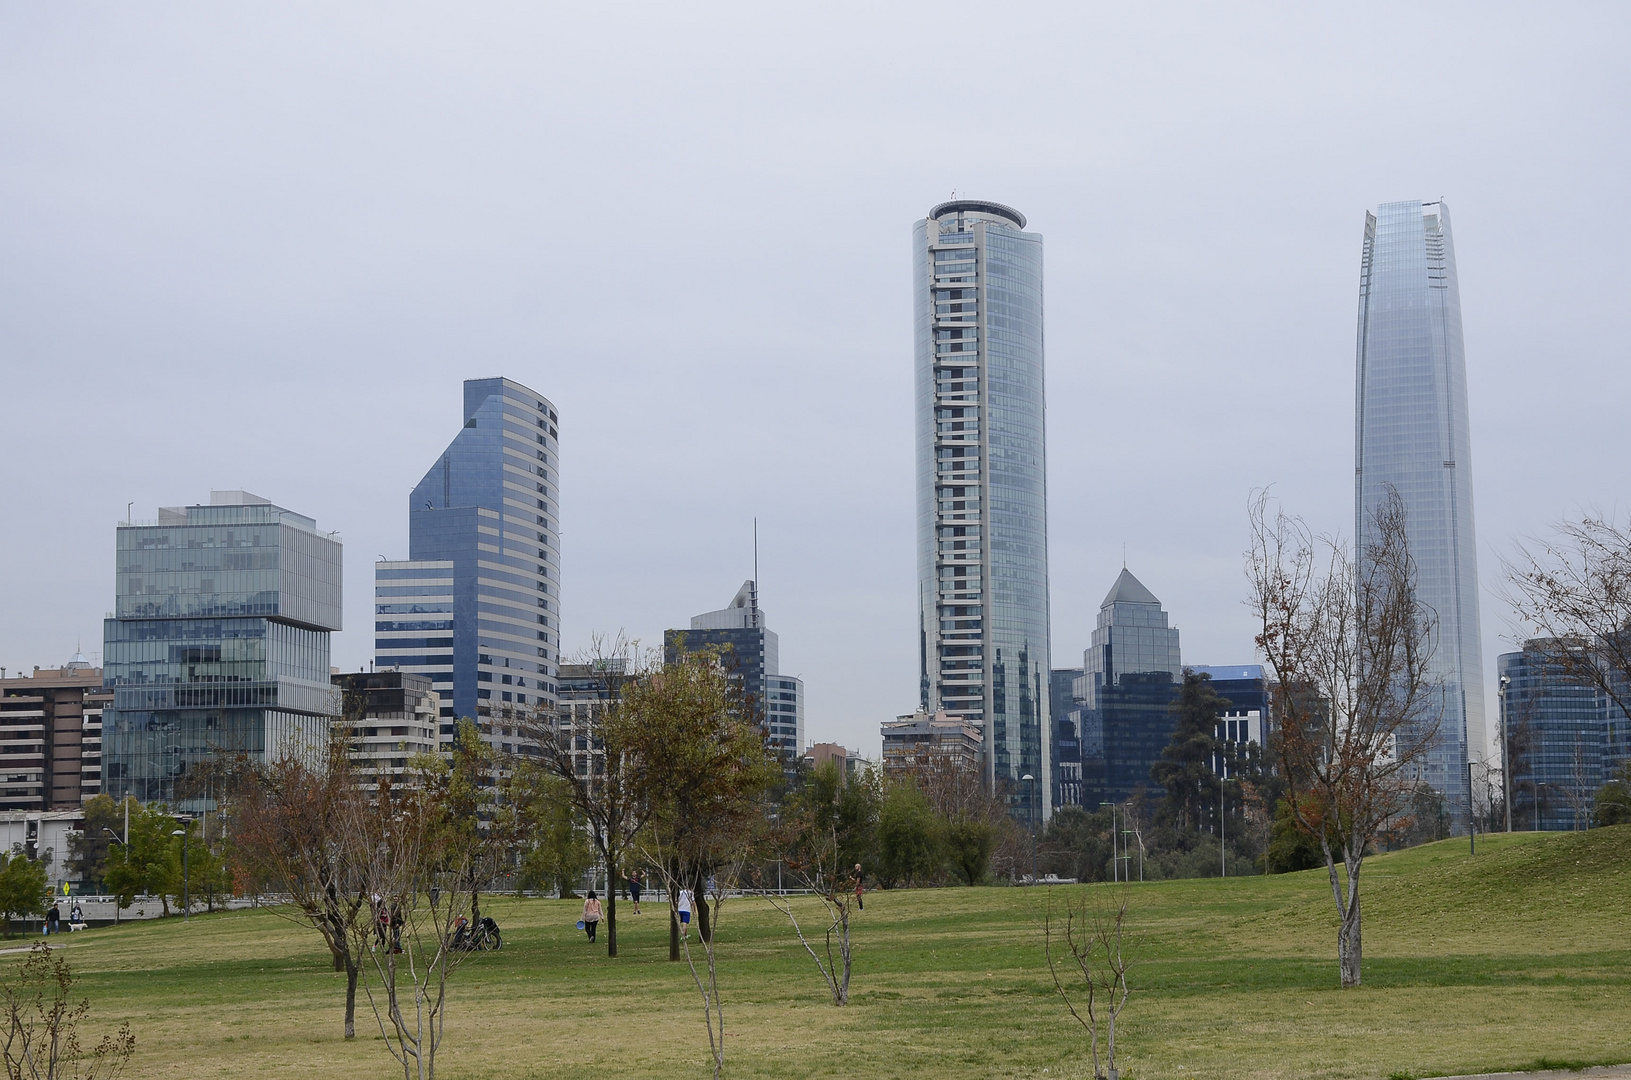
x,y
1411,436
476,605
51,737
1130,675
750,651
982,488
218,643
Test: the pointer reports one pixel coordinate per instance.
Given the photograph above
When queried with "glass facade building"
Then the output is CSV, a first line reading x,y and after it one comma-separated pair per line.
x,y
750,652
982,512
476,605
218,643
1130,674
1411,434
1566,739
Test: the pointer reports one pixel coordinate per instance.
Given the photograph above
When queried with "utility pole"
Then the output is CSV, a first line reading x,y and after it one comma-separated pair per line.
x,y
1506,754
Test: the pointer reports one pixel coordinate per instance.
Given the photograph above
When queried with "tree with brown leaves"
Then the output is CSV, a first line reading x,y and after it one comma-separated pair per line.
x,y
1355,701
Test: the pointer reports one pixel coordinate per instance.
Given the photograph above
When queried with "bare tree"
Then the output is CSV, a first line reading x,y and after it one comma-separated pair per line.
x,y
1094,943
1355,700
1573,590
40,1040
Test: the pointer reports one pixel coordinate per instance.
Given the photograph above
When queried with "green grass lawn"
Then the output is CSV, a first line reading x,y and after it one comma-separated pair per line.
x,y
1517,956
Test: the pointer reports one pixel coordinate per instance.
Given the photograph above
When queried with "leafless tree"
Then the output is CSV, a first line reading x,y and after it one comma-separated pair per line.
x,y
415,884
1355,700
1095,953
40,1038
1573,592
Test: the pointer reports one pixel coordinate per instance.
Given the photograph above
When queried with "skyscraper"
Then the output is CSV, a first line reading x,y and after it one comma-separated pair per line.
x,y
218,642
751,653
476,605
1410,434
982,505
1130,674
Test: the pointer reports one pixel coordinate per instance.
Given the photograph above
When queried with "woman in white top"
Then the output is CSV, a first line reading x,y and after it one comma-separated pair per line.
x,y
686,902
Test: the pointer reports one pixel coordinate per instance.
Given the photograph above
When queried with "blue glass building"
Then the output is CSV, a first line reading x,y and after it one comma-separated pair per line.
x,y
218,643
982,512
1566,739
1411,433
1131,672
476,605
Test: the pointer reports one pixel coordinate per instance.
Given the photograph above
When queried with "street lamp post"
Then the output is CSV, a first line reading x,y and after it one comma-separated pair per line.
x,y
186,900
1506,754
125,846
1036,796
1115,855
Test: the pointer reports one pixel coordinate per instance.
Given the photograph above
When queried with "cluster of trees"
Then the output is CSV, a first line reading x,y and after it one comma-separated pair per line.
x,y
155,861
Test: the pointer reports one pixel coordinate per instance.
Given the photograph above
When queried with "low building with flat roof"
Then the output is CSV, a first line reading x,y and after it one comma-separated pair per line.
x,y
921,736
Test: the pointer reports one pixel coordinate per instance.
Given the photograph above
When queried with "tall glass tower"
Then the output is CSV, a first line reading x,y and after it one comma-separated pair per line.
x,y
1410,432
982,508
476,605
218,642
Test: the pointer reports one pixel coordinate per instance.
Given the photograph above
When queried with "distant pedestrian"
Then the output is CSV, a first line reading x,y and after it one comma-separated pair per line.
x,y
76,915
859,878
53,920
634,890
686,902
591,915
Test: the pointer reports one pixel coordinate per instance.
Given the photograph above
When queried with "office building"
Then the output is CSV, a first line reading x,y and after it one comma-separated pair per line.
x,y
1244,720
51,737
1565,738
750,652
218,643
1067,743
982,509
394,717
476,605
1411,436
919,739
1130,675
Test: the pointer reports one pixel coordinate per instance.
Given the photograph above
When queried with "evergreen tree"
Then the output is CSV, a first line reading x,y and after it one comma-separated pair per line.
x,y
1187,768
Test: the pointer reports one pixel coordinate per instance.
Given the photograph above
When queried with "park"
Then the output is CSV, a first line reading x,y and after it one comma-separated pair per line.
x,y
1513,957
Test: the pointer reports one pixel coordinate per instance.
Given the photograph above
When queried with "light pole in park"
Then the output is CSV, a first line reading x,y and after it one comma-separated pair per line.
x,y
1115,855
124,845
186,901
1506,753
1036,800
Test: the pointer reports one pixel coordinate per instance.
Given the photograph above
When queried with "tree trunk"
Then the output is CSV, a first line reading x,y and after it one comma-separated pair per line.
x,y
1349,952
611,922
350,999
475,907
673,932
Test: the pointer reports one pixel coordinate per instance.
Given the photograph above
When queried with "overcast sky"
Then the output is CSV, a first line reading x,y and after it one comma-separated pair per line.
x,y
261,246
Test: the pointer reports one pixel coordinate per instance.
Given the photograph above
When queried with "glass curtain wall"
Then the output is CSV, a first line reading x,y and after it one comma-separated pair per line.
x,y
1411,434
982,488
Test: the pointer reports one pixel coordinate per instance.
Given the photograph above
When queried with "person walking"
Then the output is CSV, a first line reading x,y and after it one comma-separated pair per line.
x,y
591,915
686,902
634,890
53,920
859,903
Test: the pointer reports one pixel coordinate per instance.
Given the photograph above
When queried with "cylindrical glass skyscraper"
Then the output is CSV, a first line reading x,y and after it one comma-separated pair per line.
x,y
1411,433
982,488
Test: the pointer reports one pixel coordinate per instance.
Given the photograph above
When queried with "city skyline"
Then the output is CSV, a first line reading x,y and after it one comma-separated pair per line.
x,y
223,228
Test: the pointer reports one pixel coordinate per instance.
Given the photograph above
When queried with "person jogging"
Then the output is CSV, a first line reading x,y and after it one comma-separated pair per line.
x,y
686,901
591,914
634,890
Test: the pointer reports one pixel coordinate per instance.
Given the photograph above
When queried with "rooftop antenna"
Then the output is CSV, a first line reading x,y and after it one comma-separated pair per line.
x,y
1124,554
755,596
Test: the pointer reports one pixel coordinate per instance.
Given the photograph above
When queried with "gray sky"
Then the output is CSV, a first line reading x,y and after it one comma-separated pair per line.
x,y
261,246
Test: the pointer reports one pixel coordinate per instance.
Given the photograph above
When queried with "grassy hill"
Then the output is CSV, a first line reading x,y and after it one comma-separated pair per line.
x,y
1504,960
